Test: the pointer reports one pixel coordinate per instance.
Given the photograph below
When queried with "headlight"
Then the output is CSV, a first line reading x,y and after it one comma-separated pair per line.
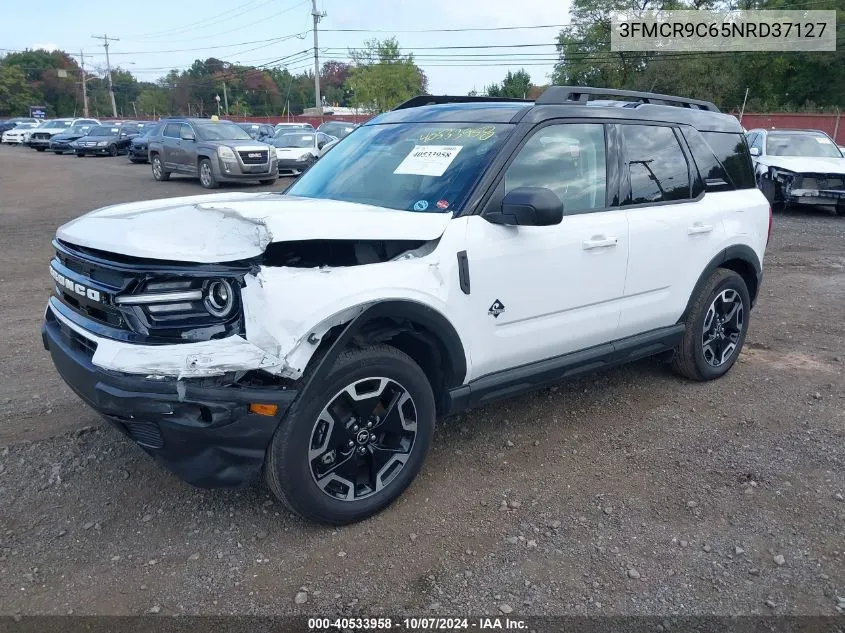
x,y
225,153
219,298
102,143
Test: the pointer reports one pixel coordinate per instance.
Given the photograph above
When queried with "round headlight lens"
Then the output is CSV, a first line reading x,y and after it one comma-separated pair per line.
x,y
219,298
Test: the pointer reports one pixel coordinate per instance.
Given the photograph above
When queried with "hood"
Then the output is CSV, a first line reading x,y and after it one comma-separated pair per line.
x,y
807,164
68,136
110,137
226,227
294,151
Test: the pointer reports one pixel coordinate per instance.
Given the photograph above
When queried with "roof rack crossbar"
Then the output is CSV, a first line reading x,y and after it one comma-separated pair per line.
x,y
579,94
424,100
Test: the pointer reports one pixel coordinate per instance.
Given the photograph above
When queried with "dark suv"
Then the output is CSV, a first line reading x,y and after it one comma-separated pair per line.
x,y
215,151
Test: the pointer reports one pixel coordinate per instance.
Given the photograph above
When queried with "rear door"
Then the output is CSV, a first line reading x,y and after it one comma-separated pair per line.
x,y
675,229
171,145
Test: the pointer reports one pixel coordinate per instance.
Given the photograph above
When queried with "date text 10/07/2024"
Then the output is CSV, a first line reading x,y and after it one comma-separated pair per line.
x,y
416,624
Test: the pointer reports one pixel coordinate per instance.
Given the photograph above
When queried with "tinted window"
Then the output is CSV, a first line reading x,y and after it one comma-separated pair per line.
x,y
657,166
172,130
710,169
568,159
732,153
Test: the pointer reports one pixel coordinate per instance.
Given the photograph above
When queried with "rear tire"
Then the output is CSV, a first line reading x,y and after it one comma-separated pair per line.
x,y
716,325
348,451
158,169
40,149
57,152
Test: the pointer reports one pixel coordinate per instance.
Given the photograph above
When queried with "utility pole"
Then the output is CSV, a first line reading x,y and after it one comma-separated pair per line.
x,y
225,99
317,17
106,39
84,85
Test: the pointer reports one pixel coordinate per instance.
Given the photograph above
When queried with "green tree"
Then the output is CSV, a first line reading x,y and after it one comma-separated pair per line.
x,y
515,85
382,77
153,101
15,94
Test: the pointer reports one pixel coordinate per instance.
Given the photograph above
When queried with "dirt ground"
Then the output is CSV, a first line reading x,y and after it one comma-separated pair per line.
x,y
627,492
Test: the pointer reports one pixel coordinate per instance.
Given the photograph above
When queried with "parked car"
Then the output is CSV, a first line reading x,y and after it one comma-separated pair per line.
x,y
297,151
338,129
19,134
293,127
40,138
104,140
263,132
138,148
61,143
798,168
442,256
9,124
213,151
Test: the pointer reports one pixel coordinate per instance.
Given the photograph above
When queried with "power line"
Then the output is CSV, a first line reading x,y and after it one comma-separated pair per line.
x,y
209,21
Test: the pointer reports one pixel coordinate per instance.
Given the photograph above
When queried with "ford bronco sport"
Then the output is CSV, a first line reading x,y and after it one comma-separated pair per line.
x,y
447,253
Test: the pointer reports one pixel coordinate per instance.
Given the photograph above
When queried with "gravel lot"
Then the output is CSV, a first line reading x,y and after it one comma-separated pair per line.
x,y
628,492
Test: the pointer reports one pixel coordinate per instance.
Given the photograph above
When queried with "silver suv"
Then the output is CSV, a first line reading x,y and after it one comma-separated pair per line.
x,y
212,150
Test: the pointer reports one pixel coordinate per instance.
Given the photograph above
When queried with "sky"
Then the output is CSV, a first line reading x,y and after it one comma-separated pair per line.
x,y
157,35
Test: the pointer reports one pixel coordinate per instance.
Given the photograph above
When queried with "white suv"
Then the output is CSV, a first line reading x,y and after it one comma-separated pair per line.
x,y
40,137
452,251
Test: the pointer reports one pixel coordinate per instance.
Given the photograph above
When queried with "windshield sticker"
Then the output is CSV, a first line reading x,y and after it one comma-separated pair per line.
x,y
428,160
421,205
442,204
823,140
483,133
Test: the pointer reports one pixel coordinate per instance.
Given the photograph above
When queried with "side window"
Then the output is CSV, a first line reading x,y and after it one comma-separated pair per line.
x,y
710,168
733,154
750,138
186,132
171,130
569,159
656,163
758,142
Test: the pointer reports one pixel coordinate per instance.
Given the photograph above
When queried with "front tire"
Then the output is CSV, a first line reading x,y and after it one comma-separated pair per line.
x,y
113,150
207,178
267,181
716,325
349,451
80,155
40,149
158,169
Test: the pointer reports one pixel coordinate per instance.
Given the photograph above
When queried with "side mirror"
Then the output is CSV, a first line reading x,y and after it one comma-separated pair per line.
x,y
528,206
754,151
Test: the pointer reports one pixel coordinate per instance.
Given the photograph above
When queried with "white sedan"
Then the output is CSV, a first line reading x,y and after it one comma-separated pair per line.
x,y
297,151
18,134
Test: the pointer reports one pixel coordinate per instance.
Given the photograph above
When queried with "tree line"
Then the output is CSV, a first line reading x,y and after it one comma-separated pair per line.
x,y
379,77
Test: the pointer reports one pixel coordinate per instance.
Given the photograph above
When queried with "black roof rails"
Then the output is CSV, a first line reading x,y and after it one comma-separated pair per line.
x,y
424,100
568,94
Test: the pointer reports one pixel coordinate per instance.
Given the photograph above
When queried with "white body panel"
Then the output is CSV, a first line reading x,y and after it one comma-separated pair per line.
x,y
560,289
804,164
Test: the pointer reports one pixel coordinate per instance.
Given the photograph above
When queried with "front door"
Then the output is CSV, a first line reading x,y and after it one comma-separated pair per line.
x,y
542,291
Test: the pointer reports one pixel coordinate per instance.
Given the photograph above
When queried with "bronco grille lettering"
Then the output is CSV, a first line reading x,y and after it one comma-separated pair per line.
x,y
69,284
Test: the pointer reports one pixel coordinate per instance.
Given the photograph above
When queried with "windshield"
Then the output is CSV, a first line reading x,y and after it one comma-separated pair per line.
x,y
430,167
55,124
813,145
221,132
336,129
80,127
289,139
102,130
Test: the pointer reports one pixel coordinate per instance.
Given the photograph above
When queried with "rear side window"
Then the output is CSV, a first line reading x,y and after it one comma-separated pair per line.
x,y
732,153
656,164
710,168
172,130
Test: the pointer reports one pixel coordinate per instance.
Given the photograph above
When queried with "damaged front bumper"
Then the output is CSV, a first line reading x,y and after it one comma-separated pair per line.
x,y
809,189
820,197
201,428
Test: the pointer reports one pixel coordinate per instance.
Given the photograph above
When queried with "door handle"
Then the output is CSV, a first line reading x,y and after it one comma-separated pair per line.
x,y
699,228
600,241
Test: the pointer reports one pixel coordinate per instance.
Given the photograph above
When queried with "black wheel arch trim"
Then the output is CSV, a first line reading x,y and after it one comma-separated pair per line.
x,y
400,310
741,252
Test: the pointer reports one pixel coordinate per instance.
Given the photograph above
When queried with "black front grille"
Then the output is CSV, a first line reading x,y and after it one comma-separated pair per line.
x,y
40,136
255,157
76,341
822,182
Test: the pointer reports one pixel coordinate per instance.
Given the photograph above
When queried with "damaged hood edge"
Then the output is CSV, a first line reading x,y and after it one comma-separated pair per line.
x,y
227,227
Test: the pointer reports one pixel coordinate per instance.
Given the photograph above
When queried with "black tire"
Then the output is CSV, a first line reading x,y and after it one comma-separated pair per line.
x,y
135,160
288,469
690,358
80,155
113,151
40,149
57,152
206,174
158,169
267,181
